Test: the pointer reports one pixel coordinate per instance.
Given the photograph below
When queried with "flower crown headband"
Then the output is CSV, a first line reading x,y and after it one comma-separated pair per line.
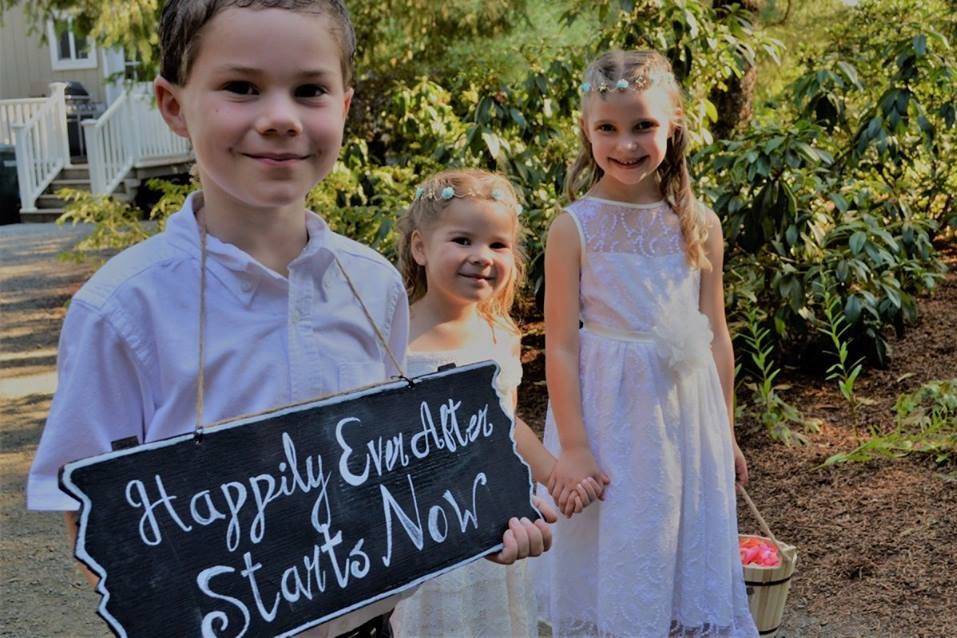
x,y
448,193
640,82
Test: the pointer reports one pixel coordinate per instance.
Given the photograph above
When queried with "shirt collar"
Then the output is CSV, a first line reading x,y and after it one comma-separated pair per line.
x,y
235,268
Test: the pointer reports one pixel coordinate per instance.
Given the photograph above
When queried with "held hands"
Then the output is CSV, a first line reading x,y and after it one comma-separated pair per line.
x,y
576,480
524,539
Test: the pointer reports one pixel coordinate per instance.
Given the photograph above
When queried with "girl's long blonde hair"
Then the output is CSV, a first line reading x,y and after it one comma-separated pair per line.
x,y
645,69
425,213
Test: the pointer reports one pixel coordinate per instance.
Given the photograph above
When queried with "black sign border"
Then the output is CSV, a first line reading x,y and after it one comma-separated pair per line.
x,y
81,554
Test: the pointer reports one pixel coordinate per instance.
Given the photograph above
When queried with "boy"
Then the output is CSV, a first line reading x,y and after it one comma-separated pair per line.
x,y
261,89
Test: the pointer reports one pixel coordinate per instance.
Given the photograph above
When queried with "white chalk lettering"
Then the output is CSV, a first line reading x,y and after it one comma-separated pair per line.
x,y
220,617
250,573
235,495
420,440
136,489
434,531
212,514
344,471
258,527
292,593
450,425
412,530
466,516
313,568
360,564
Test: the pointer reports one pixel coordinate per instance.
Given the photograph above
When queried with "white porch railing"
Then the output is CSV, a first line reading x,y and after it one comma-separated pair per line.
x,y
16,112
131,131
42,146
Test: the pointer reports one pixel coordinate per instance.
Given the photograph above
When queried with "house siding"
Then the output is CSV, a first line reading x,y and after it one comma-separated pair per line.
x,y
25,62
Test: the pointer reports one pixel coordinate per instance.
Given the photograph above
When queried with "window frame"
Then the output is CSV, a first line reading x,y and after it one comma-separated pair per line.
x,y
73,62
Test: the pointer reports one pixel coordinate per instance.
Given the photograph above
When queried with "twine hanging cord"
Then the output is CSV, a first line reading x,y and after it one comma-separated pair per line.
x,y
201,365
201,373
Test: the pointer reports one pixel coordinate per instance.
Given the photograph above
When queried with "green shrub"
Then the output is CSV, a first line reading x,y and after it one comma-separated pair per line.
x,y
926,424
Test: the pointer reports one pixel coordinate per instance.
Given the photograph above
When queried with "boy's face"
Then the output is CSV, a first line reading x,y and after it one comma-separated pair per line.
x,y
264,106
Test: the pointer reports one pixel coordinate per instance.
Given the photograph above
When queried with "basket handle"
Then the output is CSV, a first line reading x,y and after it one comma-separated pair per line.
x,y
761,522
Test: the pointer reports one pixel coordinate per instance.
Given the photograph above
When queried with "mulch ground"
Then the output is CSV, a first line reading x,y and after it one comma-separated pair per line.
x,y
877,541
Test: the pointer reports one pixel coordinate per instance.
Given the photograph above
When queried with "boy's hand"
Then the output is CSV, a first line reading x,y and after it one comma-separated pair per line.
x,y
524,538
574,466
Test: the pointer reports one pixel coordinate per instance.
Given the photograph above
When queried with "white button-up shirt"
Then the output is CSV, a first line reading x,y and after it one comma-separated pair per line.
x,y
128,355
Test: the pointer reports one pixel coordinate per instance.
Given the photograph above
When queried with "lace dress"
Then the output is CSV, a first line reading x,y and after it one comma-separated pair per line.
x,y
658,558
481,598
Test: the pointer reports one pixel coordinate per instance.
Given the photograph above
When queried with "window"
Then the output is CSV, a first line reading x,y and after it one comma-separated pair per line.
x,y
68,48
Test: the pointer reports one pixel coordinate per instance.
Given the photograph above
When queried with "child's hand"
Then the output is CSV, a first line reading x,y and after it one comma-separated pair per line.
x,y
571,470
586,493
740,467
524,538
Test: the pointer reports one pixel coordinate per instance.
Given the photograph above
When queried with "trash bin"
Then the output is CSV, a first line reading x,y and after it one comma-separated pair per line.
x,y
9,187
79,107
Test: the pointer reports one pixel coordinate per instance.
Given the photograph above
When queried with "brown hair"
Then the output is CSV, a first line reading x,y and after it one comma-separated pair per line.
x,y
182,22
643,70
425,213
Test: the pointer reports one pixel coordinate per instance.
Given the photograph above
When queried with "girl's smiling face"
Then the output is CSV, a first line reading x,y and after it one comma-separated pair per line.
x,y
468,254
628,132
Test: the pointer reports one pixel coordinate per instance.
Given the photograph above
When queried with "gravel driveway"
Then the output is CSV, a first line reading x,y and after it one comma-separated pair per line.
x,y
42,593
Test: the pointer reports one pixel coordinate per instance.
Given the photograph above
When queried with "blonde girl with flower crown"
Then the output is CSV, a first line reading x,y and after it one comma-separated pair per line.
x,y
642,388
461,258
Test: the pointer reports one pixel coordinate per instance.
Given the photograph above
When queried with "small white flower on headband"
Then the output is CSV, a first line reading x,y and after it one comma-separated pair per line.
x,y
448,193
419,192
640,82
500,196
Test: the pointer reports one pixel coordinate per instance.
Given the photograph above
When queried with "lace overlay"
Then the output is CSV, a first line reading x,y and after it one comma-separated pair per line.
x,y
658,558
481,599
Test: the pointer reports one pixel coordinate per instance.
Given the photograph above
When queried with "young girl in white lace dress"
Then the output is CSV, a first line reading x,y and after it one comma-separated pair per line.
x,y
642,389
462,262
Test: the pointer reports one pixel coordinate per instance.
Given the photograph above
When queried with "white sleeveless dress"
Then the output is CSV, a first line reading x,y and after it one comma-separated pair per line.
x,y
658,557
481,598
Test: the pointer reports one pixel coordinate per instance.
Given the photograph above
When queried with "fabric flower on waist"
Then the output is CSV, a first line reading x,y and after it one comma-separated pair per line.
x,y
682,335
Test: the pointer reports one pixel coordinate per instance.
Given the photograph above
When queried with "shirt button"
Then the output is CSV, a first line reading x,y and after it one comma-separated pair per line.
x,y
246,285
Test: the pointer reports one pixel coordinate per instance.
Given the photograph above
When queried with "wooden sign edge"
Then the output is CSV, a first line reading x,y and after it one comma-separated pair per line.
x,y
81,554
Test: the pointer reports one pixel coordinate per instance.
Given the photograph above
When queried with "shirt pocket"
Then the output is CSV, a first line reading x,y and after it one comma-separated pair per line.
x,y
355,374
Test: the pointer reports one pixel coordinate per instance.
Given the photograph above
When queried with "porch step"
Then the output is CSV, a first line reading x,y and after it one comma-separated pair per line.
x,y
45,215
162,167
50,207
75,184
50,202
77,171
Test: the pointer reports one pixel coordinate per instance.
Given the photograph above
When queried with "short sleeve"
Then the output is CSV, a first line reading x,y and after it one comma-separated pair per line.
x,y
102,396
508,356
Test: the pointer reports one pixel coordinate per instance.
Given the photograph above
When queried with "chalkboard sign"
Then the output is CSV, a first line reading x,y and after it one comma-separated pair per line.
x,y
279,522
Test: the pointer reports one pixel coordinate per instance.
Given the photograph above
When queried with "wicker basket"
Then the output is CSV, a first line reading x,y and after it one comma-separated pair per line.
x,y
768,586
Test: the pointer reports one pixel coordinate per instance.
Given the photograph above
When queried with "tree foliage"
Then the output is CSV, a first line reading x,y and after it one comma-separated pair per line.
x,y
844,177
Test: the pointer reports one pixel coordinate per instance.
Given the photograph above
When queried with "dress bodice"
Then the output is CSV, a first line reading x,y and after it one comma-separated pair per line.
x,y
510,366
634,272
